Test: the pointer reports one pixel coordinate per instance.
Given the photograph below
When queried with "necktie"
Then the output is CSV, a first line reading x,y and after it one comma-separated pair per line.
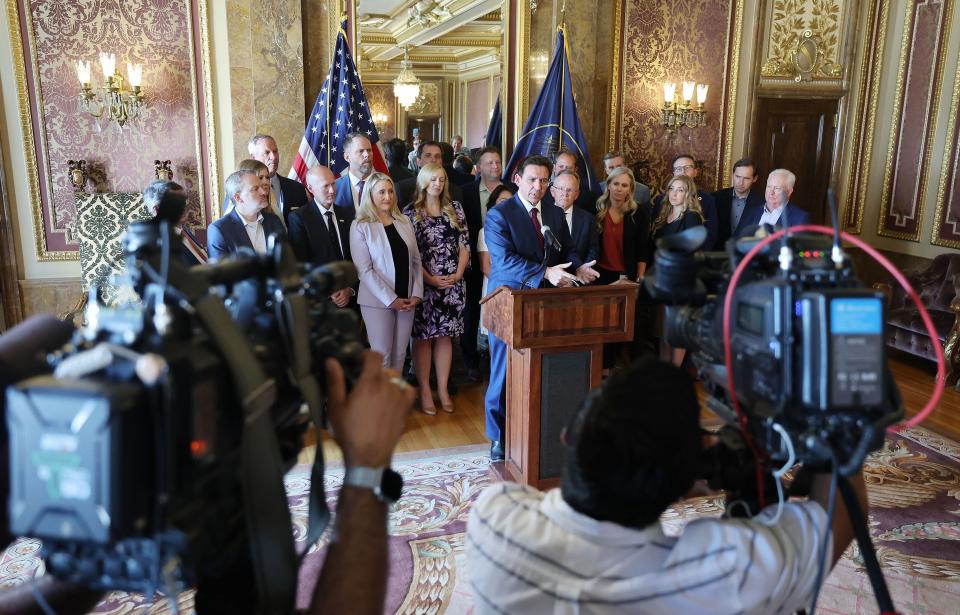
x,y
360,190
535,218
332,234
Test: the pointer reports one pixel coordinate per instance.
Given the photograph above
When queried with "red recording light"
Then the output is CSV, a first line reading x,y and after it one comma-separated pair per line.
x,y
198,448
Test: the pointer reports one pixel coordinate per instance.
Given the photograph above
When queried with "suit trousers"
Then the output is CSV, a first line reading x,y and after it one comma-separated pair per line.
x,y
389,333
495,400
471,321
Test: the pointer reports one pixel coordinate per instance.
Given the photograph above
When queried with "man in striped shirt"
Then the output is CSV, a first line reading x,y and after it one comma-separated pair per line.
x,y
595,545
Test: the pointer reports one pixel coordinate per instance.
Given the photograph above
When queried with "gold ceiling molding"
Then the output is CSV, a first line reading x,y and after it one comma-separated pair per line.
x,y
804,37
496,15
377,39
466,42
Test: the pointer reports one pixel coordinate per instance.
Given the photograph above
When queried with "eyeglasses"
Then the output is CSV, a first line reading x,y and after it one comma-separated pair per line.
x,y
683,169
564,190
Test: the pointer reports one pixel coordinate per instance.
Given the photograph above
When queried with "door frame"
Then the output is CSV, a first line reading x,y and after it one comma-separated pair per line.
x,y
12,310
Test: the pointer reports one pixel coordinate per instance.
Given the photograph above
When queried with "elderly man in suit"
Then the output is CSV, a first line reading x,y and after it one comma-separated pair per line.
x,y
581,225
776,209
358,152
613,160
732,202
288,194
320,232
565,160
513,233
249,224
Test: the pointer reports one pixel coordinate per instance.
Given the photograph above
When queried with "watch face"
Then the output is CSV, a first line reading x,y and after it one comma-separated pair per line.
x,y
391,485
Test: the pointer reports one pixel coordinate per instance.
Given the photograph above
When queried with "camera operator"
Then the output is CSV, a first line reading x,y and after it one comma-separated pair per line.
x,y
21,355
595,545
366,424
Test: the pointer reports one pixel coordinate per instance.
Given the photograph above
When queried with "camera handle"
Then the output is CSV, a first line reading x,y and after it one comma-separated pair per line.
x,y
859,522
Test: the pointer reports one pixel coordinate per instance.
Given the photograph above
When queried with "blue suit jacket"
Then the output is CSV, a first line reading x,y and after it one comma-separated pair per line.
x,y
752,214
586,240
227,235
515,254
344,196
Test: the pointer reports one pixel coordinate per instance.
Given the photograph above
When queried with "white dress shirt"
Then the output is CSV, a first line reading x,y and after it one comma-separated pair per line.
x,y
770,217
568,214
255,233
528,206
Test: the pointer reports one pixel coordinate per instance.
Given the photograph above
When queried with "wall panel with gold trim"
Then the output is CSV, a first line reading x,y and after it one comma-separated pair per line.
x,y
170,40
919,81
660,41
946,225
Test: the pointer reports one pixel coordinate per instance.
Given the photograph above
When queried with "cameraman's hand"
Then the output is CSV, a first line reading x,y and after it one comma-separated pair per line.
x,y
341,297
367,423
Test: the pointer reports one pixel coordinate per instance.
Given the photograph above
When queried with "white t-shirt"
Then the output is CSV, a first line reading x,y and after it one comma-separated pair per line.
x,y
530,552
482,247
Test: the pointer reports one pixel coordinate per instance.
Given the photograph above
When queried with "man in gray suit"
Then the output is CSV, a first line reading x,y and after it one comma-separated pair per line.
x,y
249,223
612,160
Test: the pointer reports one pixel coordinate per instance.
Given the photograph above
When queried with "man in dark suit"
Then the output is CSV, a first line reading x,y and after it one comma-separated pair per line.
x,y
287,193
566,160
428,153
166,201
776,207
358,152
685,164
513,233
396,153
733,201
475,199
250,222
614,160
565,189
457,178
320,232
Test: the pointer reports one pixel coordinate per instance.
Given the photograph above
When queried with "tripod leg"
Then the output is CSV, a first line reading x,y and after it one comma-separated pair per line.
x,y
862,533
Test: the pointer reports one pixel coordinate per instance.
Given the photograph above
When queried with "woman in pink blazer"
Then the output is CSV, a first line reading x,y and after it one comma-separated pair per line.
x,y
384,250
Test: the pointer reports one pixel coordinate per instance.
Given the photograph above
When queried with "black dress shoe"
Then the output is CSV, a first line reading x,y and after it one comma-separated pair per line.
x,y
496,451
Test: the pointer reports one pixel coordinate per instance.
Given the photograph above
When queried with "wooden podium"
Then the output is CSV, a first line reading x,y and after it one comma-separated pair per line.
x,y
555,338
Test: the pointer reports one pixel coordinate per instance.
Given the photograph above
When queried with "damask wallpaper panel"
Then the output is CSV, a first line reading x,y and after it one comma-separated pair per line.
x,y
160,35
381,100
919,81
684,39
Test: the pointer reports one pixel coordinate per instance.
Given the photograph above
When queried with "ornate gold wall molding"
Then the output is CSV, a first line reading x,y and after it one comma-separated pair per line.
x,y
946,221
864,118
913,120
804,40
725,164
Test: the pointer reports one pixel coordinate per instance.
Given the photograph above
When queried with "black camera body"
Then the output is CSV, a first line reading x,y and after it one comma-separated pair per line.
x,y
807,343
154,455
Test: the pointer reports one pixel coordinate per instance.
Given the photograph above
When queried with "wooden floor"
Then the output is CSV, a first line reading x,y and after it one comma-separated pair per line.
x,y
466,424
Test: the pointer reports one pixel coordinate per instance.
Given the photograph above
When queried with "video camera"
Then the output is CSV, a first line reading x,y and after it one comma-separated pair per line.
x,y
153,456
807,342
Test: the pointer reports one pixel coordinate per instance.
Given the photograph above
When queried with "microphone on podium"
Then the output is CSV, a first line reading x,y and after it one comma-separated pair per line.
x,y
550,237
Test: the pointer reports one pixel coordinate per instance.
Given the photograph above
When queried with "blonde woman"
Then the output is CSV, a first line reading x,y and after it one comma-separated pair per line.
x,y
624,229
441,230
384,250
679,212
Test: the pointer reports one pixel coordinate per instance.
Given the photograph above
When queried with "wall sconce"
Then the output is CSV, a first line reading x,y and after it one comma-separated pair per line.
x,y
380,119
119,104
680,108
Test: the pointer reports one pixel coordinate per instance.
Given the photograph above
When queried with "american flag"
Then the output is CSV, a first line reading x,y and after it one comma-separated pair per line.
x,y
341,108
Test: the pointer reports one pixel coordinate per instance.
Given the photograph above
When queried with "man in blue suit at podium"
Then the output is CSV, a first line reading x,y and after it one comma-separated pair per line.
x,y
521,257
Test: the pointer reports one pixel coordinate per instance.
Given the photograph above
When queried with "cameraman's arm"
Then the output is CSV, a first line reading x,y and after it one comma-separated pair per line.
x,y
366,425
842,527
63,598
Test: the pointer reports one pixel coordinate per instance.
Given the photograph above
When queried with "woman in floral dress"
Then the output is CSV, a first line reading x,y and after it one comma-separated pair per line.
x,y
441,230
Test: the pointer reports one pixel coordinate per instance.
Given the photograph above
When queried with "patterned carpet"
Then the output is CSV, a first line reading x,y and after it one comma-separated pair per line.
x,y
914,489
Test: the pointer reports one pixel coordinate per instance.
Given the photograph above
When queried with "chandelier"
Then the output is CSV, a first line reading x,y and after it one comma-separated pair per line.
x,y
406,87
679,109
118,103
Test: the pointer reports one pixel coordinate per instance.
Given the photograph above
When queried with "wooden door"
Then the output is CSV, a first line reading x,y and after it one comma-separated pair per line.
x,y
429,127
797,134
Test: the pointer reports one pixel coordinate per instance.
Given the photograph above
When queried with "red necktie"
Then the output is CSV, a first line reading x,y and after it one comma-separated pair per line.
x,y
535,218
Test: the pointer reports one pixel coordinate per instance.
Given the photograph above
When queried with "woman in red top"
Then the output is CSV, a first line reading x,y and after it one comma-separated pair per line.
x,y
624,230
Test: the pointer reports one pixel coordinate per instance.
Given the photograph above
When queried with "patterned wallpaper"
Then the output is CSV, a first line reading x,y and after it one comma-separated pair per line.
x,y
156,34
946,229
478,111
684,39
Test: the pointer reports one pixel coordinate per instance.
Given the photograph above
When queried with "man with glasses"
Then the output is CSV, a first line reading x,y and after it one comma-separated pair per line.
x,y
583,230
777,208
566,160
685,164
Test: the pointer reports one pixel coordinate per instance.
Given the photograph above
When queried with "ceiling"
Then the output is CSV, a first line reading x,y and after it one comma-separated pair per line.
x,y
442,36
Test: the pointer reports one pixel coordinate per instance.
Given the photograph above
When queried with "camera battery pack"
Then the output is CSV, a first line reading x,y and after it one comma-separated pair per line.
x,y
72,463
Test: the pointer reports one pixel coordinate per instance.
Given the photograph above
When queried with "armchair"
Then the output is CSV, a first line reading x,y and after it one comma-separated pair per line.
x,y
939,290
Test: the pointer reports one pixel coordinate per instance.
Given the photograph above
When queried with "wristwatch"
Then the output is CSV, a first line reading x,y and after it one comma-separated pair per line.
x,y
384,482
